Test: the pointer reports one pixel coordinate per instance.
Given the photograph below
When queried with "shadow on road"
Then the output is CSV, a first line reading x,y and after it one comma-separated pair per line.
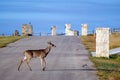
x,y
109,70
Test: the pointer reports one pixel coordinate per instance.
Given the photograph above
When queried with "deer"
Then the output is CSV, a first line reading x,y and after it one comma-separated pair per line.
x,y
40,53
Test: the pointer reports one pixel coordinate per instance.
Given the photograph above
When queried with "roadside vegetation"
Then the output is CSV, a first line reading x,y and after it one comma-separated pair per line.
x,y
4,40
107,69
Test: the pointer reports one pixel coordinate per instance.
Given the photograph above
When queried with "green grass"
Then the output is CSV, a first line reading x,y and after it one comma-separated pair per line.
x,y
4,40
107,68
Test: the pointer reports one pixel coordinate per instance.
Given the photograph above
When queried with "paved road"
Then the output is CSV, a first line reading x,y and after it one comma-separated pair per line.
x,y
68,61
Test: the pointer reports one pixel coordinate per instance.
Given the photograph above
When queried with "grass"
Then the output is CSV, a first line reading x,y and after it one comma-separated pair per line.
x,y
108,69
4,40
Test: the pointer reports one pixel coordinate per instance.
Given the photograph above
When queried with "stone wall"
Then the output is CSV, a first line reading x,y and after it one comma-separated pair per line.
x,y
102,42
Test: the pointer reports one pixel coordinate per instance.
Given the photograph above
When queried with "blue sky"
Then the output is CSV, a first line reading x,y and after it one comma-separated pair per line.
x,y
44,13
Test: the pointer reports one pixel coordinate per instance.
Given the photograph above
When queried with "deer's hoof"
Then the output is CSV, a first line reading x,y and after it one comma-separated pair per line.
x,y
30,69
43,69
18,69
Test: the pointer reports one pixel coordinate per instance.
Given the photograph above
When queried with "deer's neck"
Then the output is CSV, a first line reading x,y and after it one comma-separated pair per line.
x,y
47,50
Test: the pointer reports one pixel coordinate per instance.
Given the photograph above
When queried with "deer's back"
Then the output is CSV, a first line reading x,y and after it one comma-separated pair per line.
x,y
35,53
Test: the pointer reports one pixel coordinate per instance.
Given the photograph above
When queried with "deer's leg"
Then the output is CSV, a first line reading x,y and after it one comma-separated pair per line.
x,y
28,61
21,63
43,63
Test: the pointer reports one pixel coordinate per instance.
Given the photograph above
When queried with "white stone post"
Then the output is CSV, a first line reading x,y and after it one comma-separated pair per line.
x,y
102,42
53,30
84,30
67,29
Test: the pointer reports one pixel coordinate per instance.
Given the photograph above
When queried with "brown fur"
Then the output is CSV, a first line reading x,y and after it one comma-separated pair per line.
x,y
41,53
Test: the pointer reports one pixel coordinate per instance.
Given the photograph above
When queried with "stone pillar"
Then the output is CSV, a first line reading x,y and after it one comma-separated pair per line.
x,y
102,42
53,30
30,30
84,30
24,29
67,29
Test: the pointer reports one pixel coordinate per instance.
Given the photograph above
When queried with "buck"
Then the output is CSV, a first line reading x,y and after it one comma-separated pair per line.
x,y
41,53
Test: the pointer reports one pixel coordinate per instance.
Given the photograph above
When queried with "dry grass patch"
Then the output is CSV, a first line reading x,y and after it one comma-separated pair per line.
x,y
114,40
89,42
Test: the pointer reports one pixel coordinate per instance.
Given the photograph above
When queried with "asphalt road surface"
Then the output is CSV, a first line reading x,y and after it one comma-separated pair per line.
x,y
68,61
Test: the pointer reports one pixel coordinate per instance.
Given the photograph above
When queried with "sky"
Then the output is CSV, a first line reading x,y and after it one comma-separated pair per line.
x,y
43,14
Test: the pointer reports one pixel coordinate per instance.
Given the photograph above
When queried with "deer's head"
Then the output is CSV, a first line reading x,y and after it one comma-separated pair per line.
x,y
51,44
